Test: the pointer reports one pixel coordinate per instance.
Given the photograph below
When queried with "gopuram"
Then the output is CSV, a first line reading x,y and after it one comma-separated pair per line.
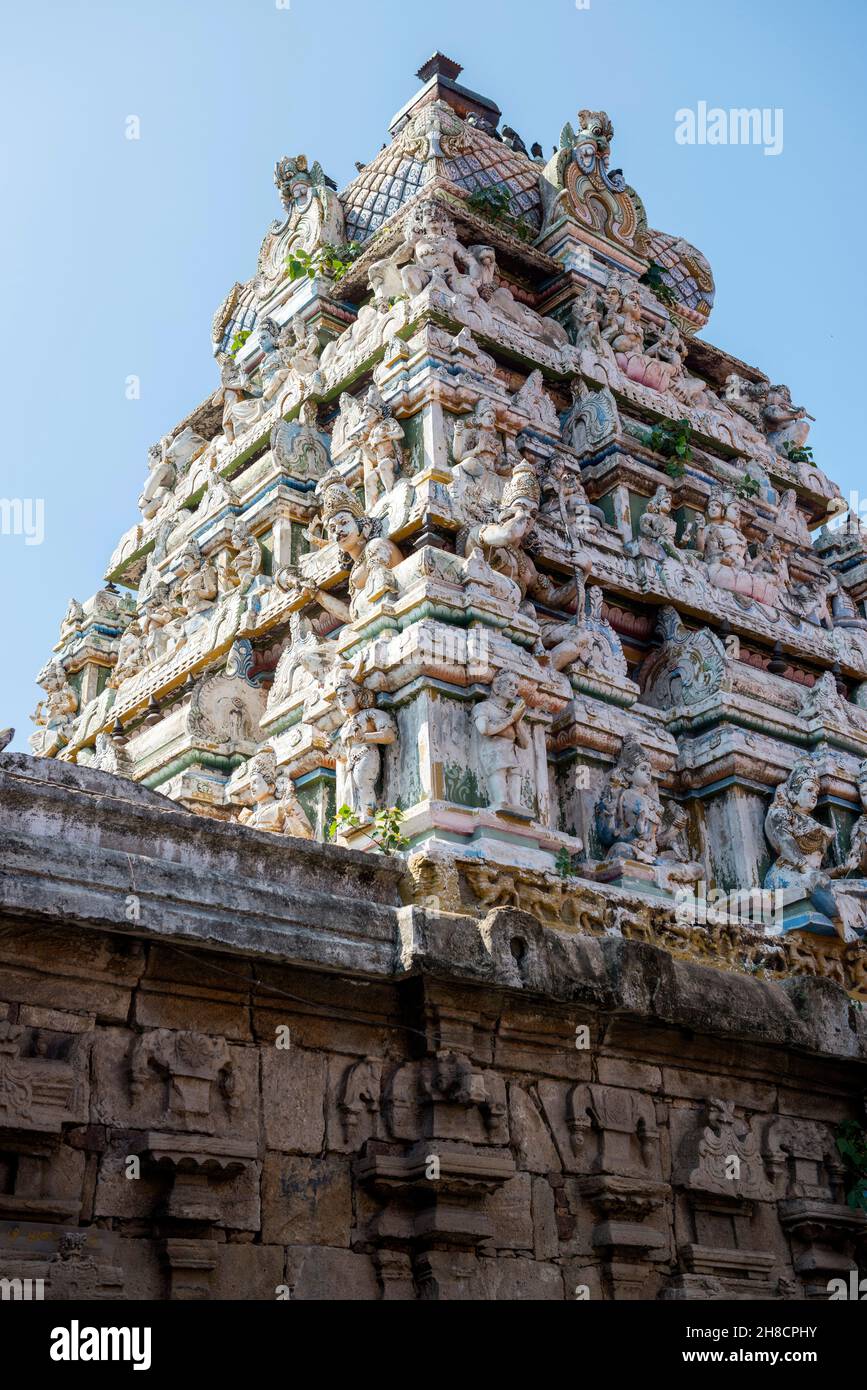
x,y
445,848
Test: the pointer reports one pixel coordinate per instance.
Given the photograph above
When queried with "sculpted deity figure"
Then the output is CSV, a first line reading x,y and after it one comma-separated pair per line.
x,y
855,862
480,459
275,805
588,641
161,478
301,352
586,318
160,618
431,255
246,563
196,580
304,665
745,398
658,526
130,655
502,541
500,722
725,549
801,843
565,505
785,424
72,620
297,445
242,403
670,347
629,812
791,522
621,324
55,713
501,299
274,367
364,732
381,450
348,527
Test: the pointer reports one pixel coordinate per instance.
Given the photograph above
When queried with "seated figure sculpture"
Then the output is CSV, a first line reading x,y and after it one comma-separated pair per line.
x,y
800,843
275,806
629,812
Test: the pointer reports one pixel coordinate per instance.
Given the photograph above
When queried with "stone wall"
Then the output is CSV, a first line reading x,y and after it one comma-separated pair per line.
x,y
235,1066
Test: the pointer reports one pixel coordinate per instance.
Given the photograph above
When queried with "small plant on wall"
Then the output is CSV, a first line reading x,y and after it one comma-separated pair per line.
x,y
672,439
386,833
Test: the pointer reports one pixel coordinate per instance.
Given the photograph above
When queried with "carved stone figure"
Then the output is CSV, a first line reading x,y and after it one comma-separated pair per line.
x,y
196,581
245,565
786,425
431,256
364,732
304,665
131,655
500,722
275,805
298,447
629,812
242,404
55,713
801,843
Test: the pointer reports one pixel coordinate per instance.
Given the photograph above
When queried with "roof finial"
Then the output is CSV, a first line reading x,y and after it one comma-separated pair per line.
x,y
439,66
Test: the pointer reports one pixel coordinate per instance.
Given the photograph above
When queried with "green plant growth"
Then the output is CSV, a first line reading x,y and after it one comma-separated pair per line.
x,y
495,203
747,488
798,453
239,340
672,439
332,261
652,278
386,833
563,863
852,1144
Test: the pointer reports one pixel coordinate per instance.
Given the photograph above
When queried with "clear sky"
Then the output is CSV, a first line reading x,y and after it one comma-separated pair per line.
x,y
117,252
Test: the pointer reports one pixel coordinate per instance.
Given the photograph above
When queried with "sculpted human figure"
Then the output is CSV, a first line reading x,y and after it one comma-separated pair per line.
x,y
158,617
304,665
246,563
586,318
629,812
196,580
383,455
502,540
621,324
431,256
161,478
791,521
501,724
274,367
241,402
481,460
130,655
565,504
364,732
275,805
658,526
801,843
785,424
746,398
54,714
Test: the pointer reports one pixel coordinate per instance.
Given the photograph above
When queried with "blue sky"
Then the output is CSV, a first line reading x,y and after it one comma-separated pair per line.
x,y
117,252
